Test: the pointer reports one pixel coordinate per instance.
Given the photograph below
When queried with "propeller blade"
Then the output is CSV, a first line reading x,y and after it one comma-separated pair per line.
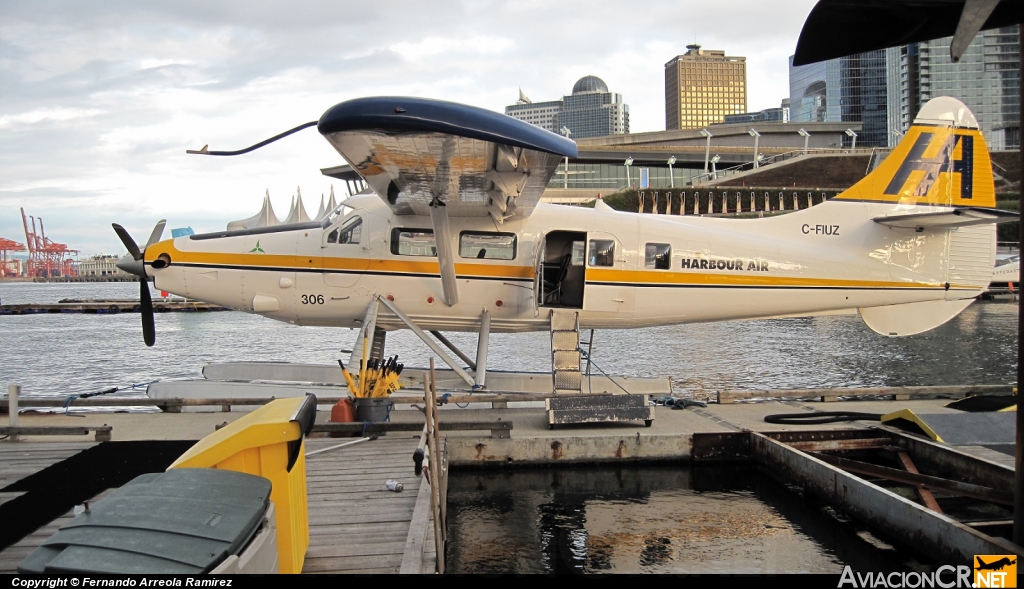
x,y
146,310
129,243
158,232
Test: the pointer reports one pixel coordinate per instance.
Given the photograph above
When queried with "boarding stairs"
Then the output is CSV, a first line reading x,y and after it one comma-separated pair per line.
x,y
569,405
565,352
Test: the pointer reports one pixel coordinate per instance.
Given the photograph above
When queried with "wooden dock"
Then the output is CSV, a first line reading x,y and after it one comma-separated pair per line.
x,y
355,524
17,461
108,307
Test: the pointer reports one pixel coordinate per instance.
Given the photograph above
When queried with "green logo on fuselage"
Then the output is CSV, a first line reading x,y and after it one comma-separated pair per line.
x,y
257,249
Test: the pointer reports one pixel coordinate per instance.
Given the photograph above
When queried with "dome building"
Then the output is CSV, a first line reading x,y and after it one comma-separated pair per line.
x,y
590,111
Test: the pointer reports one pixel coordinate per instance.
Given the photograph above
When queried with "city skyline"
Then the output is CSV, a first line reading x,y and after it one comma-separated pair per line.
x,y
101,100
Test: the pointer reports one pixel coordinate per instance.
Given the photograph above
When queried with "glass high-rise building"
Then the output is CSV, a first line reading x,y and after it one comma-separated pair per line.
x,y
702,87
592,111
986,79
845,89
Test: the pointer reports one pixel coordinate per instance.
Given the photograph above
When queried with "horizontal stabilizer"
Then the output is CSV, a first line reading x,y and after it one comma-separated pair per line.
x,y
911,318
954,217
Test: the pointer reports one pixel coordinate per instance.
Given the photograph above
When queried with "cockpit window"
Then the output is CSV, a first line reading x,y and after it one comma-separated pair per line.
x,y
350,232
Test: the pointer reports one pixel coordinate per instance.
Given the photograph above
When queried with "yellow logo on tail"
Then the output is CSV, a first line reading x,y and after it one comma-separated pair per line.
x,y
933,165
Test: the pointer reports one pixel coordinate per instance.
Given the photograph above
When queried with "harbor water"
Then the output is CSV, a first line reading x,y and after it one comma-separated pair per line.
x,y
671,519
650,520
62,354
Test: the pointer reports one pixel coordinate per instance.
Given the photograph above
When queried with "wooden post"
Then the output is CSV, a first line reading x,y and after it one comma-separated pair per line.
x,y
435,468
13,392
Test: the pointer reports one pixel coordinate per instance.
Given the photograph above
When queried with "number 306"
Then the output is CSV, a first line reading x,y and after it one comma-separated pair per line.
x,y
312,299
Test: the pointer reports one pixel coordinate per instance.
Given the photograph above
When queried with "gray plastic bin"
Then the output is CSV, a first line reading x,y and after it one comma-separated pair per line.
x,y
183,521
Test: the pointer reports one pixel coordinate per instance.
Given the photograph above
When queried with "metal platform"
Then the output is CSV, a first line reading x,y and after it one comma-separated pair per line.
x,y
576,409
284,379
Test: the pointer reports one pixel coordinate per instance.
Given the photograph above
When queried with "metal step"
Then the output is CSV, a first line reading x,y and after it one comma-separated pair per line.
x,y
568,381
565,341
566,360
564,320
565,352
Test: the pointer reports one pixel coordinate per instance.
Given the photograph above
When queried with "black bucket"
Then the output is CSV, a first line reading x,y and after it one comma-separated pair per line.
x,y
373,409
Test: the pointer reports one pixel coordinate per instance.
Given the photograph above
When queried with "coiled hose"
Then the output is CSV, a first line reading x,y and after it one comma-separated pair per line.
x,y
821,417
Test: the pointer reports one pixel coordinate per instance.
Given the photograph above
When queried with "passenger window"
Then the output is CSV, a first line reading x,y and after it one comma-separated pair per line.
x,y
487,246
658,256
602,252
413,242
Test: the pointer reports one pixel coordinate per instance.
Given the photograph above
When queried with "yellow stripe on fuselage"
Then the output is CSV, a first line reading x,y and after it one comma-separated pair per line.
x,y
708,279
492,271
256,261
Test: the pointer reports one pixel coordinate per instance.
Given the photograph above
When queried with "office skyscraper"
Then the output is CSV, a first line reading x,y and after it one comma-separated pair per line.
x,y
986,79
541,114
702,87
845,89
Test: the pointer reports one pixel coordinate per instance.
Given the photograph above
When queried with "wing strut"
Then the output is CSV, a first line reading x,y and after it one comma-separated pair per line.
x,y
426,339
445,258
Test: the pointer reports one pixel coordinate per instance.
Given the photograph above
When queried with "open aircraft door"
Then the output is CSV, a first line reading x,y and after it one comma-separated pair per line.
x,y
538,276
607,287
346,248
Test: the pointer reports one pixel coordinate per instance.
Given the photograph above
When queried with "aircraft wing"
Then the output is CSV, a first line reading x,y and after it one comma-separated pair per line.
x,y
949,219
415,152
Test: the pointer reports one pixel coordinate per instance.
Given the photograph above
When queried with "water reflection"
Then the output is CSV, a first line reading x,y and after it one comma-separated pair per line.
x,y
630,520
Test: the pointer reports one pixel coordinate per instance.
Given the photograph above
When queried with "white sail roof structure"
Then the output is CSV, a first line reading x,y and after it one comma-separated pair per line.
x,y
324,210
320,212
264,218
298,212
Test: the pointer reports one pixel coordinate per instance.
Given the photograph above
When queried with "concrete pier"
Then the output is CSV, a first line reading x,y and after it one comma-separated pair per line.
x,y
799,455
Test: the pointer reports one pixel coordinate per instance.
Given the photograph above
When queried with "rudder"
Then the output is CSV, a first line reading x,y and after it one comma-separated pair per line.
x,y
942,161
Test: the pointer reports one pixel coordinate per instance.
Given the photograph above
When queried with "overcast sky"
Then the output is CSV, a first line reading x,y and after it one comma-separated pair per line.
x,y
99,100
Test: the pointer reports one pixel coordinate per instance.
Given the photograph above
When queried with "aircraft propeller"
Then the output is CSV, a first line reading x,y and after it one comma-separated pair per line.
x,y
133,264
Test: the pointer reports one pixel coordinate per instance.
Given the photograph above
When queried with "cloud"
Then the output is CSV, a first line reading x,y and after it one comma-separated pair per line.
x,y
101,99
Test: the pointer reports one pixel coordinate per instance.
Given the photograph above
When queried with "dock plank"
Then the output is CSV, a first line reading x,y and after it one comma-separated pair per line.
x,y
355,524
21,459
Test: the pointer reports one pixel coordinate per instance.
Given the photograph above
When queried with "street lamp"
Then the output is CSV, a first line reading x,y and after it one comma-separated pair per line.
x,y
707,148
757,136
671,177
714,161
565,184
896,135
628,163
806,137
850,133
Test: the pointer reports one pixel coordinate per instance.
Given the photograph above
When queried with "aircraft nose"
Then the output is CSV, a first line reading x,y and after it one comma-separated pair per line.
x,y
132,266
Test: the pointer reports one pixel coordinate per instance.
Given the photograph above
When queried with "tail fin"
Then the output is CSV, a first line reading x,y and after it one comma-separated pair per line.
x,y
939,181
941,161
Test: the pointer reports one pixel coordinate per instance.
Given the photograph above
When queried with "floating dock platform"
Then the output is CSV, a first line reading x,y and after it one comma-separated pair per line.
x,y
903,484
105,307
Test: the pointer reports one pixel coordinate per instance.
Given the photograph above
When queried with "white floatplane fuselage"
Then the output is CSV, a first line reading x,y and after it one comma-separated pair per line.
x,y
910,245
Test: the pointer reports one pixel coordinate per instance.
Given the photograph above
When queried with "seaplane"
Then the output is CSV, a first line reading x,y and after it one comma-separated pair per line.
x,y
451,235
